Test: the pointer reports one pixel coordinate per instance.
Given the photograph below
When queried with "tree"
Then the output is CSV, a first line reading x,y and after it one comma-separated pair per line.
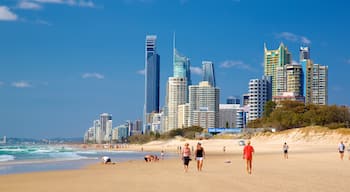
x,y
268,108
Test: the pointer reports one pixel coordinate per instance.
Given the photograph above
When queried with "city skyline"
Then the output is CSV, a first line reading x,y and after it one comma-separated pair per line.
x,y
59,71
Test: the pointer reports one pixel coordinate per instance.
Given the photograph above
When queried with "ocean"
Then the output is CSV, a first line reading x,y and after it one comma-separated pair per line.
x,y
34,158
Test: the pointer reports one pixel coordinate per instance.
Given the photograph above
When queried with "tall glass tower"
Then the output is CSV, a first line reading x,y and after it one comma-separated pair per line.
x,y
152,70
182,66
208,73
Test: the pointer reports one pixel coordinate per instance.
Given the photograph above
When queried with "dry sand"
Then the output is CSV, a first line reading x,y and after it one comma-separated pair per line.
x,y
310,167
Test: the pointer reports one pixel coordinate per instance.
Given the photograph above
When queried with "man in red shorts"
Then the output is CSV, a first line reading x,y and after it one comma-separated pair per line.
x,y
248,156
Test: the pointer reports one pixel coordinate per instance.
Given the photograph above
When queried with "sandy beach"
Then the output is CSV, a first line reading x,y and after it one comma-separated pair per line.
x,y
313,165
310,167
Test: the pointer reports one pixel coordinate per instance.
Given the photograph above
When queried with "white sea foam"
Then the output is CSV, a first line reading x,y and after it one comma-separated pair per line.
x,y
66,156
6,158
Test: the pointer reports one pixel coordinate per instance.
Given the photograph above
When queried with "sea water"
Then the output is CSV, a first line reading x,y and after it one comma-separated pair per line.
x,y
33,158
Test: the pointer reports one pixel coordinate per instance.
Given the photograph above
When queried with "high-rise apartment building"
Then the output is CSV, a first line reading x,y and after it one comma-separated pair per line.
x,y
183,116
294,79
315,79
152,76
208,72
259,94
176,95
274,61
305,60
106,126
204,105
316,84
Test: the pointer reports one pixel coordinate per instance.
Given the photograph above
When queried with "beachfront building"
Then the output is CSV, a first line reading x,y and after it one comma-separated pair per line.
x,y
177,90
241,117
316,84
204,105
176,95
89,136
183,116
156,123
274,61
152,80
105,127
208,72
259,94
228,115
121,133
101,131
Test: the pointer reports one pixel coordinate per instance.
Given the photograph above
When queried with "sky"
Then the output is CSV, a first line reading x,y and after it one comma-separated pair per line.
x,y
64,62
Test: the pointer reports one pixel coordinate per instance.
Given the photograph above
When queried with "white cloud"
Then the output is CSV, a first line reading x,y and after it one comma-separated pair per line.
x,y
28,5
305,40
293,37
141,72
6,14
92,75
21,84
43,22
80,3
86,4
348,61
236,64
1,83
294,62
196,70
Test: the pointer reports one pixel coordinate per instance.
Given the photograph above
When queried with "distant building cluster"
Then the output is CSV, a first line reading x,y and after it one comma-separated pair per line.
x,y
188,104
102,131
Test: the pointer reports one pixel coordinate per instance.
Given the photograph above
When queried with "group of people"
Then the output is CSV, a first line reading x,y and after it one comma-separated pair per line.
x,y
199,155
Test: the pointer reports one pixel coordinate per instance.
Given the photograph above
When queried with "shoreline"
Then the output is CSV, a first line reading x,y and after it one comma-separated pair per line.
x,y
309,168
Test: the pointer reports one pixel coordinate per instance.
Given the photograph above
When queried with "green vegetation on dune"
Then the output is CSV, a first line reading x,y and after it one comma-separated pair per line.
x,y
189,133
294,114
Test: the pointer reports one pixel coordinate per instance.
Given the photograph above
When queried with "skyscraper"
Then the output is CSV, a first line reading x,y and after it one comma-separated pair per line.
x,y
152,72
204,105
273,61
305,60
259,91
176,95
316,84
182,66
208,72
294,79
304,53
315,79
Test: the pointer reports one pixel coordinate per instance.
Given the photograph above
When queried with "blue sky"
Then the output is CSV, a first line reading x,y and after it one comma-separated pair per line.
x,y
63,62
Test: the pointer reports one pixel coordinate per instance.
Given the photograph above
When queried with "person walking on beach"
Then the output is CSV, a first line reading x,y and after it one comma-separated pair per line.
x,y
285,150
199,154
186,154
248,156
341,149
